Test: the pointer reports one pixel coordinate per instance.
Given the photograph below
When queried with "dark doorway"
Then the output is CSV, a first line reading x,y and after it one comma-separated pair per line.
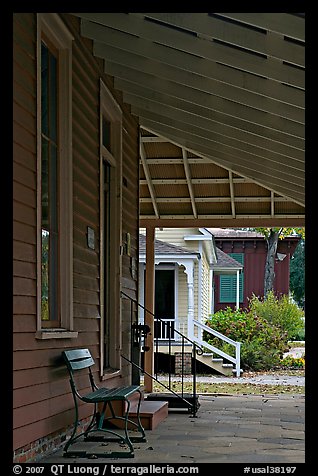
x,y
165,303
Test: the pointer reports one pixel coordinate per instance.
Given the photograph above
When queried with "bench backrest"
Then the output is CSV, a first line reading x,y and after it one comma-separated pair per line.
x,y
78,359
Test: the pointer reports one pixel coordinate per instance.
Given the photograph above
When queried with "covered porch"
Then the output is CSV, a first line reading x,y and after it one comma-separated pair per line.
x,y
228,429
218,106
220,102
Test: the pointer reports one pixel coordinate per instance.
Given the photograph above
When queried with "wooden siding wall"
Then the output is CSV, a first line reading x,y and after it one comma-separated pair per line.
x,y
41,398
175,236
254,265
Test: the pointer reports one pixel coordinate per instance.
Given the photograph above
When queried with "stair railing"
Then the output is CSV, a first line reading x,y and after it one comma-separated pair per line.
x,y
185,342
235,360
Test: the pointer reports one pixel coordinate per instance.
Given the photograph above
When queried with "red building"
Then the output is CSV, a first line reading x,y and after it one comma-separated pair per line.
x,y
250,249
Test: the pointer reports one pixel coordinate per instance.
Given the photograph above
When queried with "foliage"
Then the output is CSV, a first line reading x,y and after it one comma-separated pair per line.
x,y
280,312
282,232
290,362
263,343
297,274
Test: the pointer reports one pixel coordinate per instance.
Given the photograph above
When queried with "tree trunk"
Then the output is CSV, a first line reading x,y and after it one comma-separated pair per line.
x,y
269,276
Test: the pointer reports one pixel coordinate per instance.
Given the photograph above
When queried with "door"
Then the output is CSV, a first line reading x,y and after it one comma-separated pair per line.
x,y
164,303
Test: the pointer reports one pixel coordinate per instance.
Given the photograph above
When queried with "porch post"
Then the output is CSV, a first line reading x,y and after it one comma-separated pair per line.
x,y
211,291
237,289
149,305
189,272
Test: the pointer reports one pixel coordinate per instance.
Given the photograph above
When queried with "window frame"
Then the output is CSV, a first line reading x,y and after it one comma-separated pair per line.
x,y
111,111
51,27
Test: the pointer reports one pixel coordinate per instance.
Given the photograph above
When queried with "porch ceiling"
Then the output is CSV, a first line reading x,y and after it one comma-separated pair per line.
x,y
220,101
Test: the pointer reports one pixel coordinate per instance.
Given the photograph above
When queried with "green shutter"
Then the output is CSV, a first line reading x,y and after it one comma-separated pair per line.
x,y
228,283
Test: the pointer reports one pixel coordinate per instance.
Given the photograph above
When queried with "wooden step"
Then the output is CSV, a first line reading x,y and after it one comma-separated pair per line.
x,y
174,401
151,413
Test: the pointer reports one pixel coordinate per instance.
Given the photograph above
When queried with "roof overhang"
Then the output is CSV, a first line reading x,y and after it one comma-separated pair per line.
x,y
220,101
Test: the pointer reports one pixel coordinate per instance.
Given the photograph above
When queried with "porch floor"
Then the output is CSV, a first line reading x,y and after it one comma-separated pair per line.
x,y
227,429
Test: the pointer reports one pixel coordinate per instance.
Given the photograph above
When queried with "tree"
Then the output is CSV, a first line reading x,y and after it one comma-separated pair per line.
x,y
297,274
272,235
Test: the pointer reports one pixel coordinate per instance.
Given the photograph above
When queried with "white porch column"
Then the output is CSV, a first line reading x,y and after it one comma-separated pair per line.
x,y
189,268
211,291
237,289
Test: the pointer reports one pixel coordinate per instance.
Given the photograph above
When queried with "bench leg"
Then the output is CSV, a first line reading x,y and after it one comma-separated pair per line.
x,y
97,426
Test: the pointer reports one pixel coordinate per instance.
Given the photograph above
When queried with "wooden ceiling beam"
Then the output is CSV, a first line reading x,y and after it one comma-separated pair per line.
x,y
222,143
193,83
266,178
232,196
164,62
217,200
148,178
236,34
129,24
222,157
283,23
189,183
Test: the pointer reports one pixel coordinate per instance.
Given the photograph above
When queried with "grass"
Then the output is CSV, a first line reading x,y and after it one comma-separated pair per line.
x,y
234,388
242,388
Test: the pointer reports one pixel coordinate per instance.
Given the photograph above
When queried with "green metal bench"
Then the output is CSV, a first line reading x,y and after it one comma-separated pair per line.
x,y
77,360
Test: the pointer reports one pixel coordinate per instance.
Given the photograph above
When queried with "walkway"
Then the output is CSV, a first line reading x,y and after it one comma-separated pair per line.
x,y
228,429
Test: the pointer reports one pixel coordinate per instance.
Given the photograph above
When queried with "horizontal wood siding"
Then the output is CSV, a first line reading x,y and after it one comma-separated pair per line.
x,y
42,400
176,236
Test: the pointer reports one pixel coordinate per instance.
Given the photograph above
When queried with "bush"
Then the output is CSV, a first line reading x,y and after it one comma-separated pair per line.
x,y
290,362
263,343
280,312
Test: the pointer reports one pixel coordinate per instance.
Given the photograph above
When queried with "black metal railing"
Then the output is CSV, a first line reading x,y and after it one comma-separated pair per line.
x,y
142,331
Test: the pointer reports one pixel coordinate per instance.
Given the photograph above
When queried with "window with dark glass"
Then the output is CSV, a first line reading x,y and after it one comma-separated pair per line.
x,y
106,134
49,187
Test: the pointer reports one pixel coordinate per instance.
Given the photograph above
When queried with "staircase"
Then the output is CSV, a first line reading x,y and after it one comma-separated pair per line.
x,y
209,359
216,363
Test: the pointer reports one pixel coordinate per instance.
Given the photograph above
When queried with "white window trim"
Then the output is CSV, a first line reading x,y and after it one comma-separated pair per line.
x,y
53,27
110,109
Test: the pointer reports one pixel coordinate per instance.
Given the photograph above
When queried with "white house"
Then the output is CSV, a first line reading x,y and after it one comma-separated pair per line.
x,y
186,261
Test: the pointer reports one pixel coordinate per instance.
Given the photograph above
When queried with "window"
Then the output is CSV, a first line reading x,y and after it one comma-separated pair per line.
x,y
228,282
54,179
110,231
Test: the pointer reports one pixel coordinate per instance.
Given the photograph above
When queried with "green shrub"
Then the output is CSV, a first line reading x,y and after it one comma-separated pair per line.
x,y
263,343
281,312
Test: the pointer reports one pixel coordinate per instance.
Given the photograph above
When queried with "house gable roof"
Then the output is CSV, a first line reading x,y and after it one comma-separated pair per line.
x,y
164,248
226,261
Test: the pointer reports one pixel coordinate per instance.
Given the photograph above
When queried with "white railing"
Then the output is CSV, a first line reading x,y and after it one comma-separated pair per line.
x,y
235,360
164,331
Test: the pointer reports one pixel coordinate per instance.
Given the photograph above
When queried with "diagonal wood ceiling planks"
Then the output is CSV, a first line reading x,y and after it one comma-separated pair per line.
x,y
226,88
